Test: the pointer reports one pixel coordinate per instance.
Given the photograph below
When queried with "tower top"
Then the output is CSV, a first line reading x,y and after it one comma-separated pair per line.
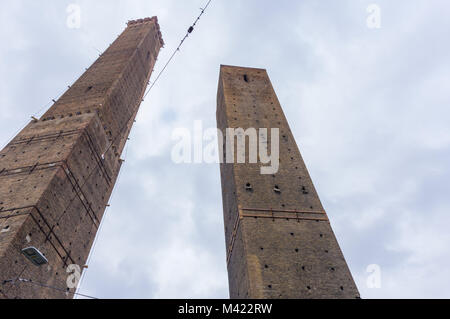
x,y
236,67
148,20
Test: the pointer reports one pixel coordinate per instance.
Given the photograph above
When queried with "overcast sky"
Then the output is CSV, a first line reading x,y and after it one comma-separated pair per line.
x,y
369,108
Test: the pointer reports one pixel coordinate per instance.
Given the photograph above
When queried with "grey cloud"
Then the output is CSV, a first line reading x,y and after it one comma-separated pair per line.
x,y
368,108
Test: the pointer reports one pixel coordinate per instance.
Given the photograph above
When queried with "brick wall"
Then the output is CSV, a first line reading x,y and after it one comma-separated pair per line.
x,y
56,176
280,242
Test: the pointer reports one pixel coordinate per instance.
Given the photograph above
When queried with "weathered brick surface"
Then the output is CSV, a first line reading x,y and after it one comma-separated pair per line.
x,y
280,244
56,176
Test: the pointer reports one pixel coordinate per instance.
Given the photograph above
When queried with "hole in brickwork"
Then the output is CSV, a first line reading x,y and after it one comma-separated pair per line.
x,y
308,287
342,288
297,250
269,286
245,78
266,266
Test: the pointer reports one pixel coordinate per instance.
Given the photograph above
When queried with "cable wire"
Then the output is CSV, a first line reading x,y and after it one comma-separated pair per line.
x,y
133,115
29,281
189,31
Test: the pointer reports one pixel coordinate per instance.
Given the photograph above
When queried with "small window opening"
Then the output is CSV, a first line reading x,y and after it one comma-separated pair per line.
x,y
305,192
245,78
277,189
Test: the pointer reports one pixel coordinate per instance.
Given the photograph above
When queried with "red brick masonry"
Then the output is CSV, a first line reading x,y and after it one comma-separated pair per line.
x,y
56,175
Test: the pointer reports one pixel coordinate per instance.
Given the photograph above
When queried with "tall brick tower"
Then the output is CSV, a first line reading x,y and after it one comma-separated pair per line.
x,y
57,174
279,240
